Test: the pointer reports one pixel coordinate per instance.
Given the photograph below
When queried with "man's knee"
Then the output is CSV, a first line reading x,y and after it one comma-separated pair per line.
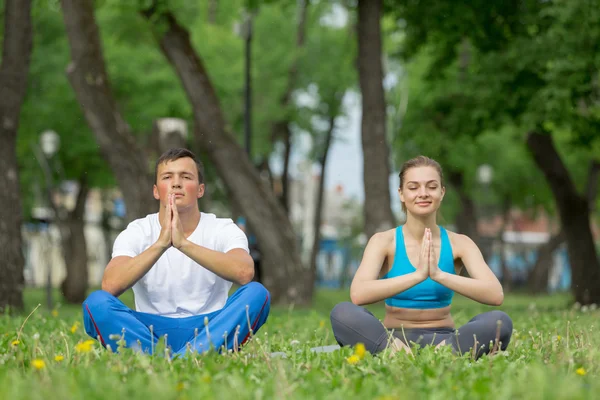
x,y
97,300
258,289
257,292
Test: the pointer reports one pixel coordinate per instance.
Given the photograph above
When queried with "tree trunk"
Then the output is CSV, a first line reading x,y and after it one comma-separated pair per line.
x,y
320,197
281,129
574,215
537,280
89,79
506,275
75,284
540,273
376,169
16,53
106,225
213,6
466,220
592,185
283,272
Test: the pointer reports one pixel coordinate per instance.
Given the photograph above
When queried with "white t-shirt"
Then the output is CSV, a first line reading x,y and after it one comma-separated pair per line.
x,y
176,286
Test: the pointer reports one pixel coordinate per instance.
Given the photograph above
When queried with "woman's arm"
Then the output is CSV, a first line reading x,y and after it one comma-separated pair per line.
x,y
482,286
366,286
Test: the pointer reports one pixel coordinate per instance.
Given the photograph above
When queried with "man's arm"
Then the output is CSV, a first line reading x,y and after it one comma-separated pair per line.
x,y
122,272
235,266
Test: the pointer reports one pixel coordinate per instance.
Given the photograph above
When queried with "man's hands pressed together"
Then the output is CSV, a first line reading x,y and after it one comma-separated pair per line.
x,y
236,265
171,233
164,239
177,235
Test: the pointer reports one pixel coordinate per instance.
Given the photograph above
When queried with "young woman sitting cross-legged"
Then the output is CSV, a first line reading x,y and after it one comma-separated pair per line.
x,y
415,269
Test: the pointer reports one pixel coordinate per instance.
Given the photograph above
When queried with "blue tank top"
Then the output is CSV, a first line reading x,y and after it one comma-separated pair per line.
x,y
427,294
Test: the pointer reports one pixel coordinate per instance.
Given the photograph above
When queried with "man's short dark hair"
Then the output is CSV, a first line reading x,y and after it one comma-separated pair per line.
x,y
176,154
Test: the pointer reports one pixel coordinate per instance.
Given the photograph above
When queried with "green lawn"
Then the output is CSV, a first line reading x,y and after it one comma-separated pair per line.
x,y
553,355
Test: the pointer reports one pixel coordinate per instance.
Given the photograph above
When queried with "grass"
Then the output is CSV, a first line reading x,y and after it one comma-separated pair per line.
x,y
554,354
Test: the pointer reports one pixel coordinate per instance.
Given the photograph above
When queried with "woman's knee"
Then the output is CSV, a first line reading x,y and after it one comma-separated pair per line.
x,y
343,313
502,325
502,319
353,324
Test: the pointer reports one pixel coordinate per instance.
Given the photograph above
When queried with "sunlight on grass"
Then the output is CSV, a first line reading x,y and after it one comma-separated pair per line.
x,y
553,355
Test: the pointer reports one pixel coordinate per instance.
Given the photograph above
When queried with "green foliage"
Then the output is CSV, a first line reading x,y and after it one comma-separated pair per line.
x,y
553,354
326,74
50,103
481,75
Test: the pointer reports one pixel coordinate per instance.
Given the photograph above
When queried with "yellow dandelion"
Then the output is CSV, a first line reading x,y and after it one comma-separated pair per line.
x,y
59,358
360,351
55,313
580,371
321,324
558,337
38,364
15,343
85,347
353,359
75,327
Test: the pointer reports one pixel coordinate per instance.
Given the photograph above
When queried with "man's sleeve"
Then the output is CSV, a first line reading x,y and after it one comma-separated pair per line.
x,y
129,242
232,237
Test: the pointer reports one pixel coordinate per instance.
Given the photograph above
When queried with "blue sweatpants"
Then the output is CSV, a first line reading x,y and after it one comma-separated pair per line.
x,y
105,318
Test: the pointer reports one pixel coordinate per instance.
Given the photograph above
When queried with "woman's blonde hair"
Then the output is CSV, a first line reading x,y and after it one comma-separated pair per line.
x,y
419,161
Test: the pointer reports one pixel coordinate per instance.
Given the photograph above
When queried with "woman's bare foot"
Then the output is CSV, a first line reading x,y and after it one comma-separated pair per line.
x,y
398,345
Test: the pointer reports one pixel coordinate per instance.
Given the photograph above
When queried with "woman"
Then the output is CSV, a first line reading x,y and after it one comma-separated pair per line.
x,y
415,268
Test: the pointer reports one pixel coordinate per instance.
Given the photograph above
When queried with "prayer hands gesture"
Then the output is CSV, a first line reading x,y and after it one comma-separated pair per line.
x,y
427,266
171,233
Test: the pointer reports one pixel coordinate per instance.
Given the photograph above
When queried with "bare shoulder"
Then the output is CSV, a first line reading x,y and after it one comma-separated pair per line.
x,y
460,243
383,238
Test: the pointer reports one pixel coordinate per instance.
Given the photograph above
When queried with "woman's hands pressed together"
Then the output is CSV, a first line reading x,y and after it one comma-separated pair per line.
x,y
427,266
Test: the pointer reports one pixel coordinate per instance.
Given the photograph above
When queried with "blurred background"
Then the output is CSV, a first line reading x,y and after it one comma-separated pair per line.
x,y
303,112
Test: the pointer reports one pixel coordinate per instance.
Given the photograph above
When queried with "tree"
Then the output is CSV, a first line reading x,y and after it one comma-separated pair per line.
x,y
78,159
522,49
266,216
90,81
326,83
376,167
16,52
281,128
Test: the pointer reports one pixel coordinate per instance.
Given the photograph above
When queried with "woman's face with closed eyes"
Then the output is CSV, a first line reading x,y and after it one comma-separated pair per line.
x,y
422,191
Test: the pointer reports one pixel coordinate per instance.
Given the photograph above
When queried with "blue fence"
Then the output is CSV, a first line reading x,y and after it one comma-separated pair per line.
x,y
336,267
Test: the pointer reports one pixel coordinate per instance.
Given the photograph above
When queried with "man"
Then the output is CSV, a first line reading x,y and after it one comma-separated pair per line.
x,y
181,264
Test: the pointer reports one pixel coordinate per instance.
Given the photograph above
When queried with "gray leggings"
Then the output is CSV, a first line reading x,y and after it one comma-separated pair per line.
x,y
353,324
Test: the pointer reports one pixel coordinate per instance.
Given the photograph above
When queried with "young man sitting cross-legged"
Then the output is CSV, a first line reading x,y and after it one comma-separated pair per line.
x,y
181,264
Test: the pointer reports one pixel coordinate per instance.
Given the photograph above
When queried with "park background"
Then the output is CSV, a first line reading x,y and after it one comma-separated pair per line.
x,y
303,112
